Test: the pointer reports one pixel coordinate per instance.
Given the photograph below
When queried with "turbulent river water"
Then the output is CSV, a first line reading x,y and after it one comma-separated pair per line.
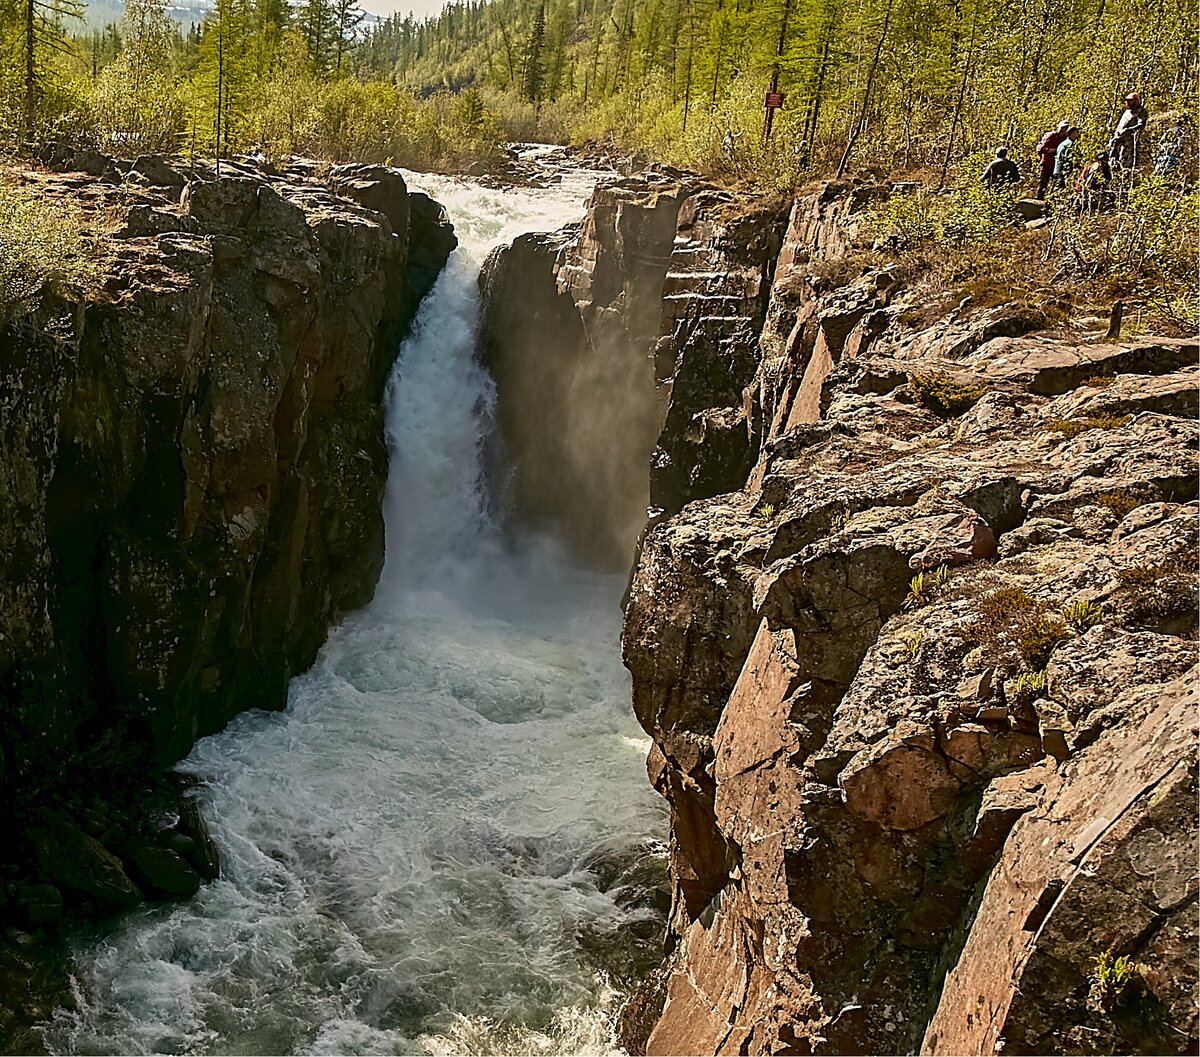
x,y
410,850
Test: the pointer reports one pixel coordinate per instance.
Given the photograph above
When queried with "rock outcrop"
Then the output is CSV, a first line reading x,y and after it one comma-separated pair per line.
x,y
568,330
913,632
633,336
192,467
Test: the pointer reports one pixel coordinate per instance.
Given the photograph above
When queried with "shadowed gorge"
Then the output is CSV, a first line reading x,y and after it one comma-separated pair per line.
x,y
903,579
568,334
445,839
911,628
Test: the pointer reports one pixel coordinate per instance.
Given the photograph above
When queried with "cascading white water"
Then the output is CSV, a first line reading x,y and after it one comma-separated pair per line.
x,y
405,848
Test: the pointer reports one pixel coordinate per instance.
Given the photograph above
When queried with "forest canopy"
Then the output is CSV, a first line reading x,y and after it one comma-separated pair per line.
x,y
900,85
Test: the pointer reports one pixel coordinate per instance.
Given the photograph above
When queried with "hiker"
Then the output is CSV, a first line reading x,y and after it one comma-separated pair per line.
x,y
1001,172
1122,147
1064,157
1045,152
1170,147
1094,184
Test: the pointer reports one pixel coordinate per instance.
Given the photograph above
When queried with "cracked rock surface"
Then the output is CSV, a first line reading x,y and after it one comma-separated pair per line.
x,y
920,681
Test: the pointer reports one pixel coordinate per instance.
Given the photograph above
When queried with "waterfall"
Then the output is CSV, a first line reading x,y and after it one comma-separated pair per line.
x,y
412,851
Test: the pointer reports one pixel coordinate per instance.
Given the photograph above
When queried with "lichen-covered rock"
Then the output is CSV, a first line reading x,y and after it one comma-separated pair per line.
x,y
192,467
921,689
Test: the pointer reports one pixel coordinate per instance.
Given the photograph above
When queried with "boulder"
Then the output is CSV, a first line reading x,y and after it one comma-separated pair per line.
x,y
157,171
40,904
203,854
71,860
160,871
376,187
1030,209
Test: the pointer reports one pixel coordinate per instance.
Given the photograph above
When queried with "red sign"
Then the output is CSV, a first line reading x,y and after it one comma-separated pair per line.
x,y
774,100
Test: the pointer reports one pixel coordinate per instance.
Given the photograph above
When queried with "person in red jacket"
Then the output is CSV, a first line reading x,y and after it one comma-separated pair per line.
x,y
1045,153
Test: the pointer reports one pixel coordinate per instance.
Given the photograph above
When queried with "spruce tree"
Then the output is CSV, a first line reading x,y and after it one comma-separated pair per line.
x,y
534,71
346,18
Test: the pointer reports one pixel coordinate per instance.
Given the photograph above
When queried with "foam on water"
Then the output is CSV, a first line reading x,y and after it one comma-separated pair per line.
x,y
404,848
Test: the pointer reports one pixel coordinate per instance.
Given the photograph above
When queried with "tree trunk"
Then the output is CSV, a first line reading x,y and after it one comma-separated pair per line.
x,y
220,90
30,69
783,24
962,93
814,114
861,124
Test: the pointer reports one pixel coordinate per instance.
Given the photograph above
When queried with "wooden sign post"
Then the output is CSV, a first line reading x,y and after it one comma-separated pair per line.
x,y
772,102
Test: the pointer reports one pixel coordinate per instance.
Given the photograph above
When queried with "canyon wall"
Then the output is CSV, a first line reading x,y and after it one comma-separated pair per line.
x,y
912,628
568,327
192,466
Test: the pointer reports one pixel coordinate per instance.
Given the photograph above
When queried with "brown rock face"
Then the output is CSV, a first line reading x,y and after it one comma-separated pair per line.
x,y
919,698
568,326
629,339
193,465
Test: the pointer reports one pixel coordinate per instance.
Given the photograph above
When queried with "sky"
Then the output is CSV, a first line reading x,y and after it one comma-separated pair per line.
x,y
419,8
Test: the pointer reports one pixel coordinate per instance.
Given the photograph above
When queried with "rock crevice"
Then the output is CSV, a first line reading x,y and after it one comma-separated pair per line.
x,y
192,466
912,630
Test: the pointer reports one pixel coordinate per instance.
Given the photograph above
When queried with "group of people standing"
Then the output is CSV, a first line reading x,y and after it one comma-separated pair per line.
x,y
1058,161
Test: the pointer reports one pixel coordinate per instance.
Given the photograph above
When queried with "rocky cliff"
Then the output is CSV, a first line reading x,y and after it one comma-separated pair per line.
x,y
192,467
912,628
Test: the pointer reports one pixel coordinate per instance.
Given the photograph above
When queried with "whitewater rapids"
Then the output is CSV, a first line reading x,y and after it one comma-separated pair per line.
x,y
406,848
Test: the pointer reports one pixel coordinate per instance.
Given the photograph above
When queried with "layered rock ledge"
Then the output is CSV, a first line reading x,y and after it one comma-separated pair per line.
x,y
912,628
192,467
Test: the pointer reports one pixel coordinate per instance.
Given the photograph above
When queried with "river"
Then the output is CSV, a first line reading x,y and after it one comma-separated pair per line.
x,y
415,853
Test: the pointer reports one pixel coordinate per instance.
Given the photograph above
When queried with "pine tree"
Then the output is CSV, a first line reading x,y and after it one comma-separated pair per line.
x,y
43,33
534,71
226,70
319,27
346,18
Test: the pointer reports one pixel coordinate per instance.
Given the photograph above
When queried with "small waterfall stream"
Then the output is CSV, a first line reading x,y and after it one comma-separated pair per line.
x,y
413,850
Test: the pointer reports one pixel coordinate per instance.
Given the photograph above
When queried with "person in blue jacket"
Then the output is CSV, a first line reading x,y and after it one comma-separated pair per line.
x,y
1064,157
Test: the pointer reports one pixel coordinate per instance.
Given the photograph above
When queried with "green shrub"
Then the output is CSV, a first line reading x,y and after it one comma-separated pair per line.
x,y
920,591
42,247
1119,500
1028,687
1069,427
1151,595
1082,614
913,642
940,393
1015,630
1112,977
1037,638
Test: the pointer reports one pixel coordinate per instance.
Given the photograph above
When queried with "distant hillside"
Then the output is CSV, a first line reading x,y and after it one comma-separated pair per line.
x,y
185,12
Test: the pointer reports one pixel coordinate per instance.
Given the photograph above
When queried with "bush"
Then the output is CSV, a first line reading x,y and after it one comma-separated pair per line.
x,y
1112,978
1082,614
1119,500
1014,628
1028,687
1154,595
1143,248
150,122
42,248
944,396
1072,427
967,216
